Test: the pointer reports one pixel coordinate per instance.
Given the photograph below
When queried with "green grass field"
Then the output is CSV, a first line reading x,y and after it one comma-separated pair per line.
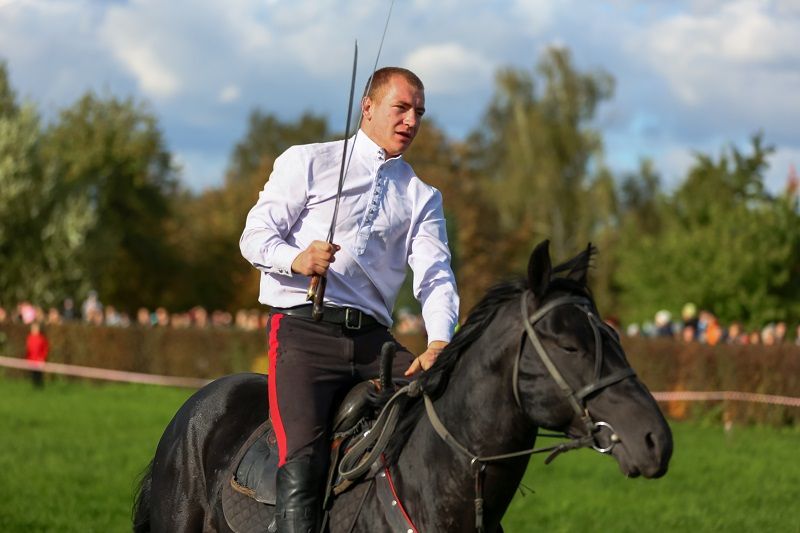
x,y
70,456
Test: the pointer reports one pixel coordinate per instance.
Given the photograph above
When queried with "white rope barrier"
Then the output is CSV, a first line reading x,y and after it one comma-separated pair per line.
x,y
196,383
103,373
700,396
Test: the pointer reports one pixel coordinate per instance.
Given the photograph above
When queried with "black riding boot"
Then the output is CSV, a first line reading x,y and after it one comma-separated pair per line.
x,y
297,505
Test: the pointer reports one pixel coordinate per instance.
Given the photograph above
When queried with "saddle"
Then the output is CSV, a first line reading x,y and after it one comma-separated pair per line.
x,y
248,499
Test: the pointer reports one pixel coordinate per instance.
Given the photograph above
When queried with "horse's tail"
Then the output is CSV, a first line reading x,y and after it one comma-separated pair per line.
x,y
141,505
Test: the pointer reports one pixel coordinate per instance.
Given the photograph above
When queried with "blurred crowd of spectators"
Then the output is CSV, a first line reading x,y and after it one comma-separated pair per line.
x,y
693,325
704,327
93,311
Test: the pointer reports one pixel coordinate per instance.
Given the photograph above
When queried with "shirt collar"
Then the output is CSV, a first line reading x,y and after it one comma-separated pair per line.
x,y
369,150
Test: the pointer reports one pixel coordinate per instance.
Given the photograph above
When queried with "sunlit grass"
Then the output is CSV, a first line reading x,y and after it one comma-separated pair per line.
x,y
70,456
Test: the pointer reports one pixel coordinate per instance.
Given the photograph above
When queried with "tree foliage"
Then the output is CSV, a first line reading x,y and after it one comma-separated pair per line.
x,y
42,232
719,241
533,158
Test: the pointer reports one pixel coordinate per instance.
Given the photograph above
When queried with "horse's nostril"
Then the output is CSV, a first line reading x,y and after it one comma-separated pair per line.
x,y
651,443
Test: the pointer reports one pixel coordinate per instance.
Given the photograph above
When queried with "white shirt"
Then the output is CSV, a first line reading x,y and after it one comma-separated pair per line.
x,y
387,218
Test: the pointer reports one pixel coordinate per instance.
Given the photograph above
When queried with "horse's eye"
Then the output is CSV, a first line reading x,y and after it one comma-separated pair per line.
x,y
569,349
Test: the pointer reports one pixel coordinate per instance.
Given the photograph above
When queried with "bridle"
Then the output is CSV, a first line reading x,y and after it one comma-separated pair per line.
x,y
576,398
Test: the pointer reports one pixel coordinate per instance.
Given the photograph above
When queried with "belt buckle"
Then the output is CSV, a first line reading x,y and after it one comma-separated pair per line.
x,y
347,322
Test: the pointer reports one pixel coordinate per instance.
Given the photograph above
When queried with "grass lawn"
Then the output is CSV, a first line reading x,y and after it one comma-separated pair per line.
x,y
71,453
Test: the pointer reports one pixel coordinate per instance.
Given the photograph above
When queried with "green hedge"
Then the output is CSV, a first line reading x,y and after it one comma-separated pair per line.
x,y
663,364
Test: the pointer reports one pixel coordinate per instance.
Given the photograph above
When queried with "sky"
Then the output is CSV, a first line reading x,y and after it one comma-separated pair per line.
x,y
691,75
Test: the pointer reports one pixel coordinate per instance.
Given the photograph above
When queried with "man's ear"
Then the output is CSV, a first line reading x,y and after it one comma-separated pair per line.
x,y
366,108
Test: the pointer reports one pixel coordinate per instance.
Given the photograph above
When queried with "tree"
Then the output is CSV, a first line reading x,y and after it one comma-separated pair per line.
x,y
108,155
720,241
42,231
267,137
535,153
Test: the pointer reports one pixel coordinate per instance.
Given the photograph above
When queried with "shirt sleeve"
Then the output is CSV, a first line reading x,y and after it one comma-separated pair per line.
x,y
434,283
279,205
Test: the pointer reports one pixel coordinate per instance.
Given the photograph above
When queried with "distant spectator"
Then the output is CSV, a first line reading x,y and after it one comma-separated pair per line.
x,y
689,316
143,318
53,317
240,320
36,350
632,330
688,333
768,335
27,312
714,334
704,319
408,323
92,309
797,336
221,318
112,318
663,321
199,316
3,315
735,334
68,310
162,317
780,332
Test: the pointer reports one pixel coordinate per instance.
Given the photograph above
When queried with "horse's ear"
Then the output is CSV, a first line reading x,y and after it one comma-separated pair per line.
x,y
539,268
580,269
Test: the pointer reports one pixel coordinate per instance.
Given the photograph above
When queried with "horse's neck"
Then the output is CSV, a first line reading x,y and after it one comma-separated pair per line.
x,y
478,409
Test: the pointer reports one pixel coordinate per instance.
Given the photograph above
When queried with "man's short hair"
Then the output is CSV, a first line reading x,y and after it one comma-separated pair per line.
x,y
382,76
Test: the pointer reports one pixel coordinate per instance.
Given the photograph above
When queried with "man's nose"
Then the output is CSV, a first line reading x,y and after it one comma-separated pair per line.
x,y
410,118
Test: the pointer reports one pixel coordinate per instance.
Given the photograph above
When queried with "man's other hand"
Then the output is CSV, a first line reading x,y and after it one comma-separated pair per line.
x,y
426,359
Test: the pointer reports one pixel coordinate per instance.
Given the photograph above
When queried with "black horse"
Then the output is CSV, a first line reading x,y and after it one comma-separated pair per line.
x,y
532,354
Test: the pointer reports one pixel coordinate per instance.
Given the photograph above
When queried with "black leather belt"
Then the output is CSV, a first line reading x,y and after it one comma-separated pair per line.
x,y
346,317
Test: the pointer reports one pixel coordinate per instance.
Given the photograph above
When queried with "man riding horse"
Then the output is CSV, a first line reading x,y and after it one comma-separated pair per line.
x,y
390,218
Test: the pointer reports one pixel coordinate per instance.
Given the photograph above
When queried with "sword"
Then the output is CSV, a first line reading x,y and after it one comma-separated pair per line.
x,y
316,289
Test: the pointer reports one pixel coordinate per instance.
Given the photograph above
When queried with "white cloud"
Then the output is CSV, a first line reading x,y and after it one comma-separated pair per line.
x,y
229,93
449,68
726,52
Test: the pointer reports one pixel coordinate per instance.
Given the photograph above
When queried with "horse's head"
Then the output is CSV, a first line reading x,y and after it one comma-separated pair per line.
x,y
573,375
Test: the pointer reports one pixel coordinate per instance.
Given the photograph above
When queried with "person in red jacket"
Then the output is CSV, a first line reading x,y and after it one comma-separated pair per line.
x,y
36,349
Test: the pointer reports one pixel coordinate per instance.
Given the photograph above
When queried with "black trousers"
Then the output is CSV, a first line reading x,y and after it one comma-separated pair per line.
x,y
312,366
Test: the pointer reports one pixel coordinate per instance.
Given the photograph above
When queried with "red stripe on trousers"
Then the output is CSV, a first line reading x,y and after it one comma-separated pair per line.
x,y
274,412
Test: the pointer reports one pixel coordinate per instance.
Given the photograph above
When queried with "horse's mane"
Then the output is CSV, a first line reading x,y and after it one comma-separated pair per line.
x,y
434,381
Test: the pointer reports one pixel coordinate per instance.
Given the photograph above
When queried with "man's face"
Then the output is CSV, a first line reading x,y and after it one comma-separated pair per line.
x,y
392,120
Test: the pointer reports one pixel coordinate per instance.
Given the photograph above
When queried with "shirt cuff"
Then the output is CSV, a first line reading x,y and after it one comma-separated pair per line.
x,y
282,258
440,332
